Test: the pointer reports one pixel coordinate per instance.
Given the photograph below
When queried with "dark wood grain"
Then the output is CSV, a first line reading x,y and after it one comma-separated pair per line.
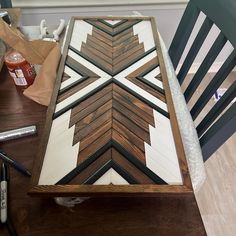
x,y
175,214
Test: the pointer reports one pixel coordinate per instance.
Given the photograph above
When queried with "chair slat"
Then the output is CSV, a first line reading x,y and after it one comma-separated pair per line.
x,y
6,3
215,83
217,109
219,132
205,66
201,36
183,32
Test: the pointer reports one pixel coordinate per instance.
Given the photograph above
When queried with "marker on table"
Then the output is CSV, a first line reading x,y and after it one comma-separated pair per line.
x,y
4,178
13,163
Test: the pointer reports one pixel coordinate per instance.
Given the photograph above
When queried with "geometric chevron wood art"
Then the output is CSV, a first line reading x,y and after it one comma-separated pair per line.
x,y
111,126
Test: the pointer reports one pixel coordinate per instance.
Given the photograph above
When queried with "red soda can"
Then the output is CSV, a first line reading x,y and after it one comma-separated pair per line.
x,y
22,72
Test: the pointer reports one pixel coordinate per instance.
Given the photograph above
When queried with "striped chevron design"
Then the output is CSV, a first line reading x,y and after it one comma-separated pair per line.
x,y
111,123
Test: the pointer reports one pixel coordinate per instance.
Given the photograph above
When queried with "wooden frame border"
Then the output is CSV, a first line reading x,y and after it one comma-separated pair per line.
x,y
104,190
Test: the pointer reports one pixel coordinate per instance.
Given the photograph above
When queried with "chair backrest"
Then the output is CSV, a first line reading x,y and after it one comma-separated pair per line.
x,y
220,122
6,3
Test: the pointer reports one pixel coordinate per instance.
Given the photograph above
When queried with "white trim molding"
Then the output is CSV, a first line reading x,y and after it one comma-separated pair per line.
x,y
94,3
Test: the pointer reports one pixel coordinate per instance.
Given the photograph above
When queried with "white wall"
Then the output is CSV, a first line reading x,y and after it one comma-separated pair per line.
x,y
167,17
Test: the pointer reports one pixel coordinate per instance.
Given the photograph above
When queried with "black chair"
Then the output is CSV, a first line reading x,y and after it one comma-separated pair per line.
x,y
6,3
215,128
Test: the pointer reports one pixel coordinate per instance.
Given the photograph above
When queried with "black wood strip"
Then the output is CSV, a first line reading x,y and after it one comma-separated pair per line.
x,y
127,27
205,28
137,163
122,172
77,170
78,68
75,103
99,173
61,91
147,82
112,26
219,132
151,104
183,33
205,66
215,83
90,60
217,109
112,34
134,61
149,70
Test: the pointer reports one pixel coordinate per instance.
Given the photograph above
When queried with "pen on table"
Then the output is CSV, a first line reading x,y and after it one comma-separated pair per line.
x,y
13,163
4,178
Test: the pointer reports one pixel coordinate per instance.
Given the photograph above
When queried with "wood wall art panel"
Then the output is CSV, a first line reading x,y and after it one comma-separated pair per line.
x,y
111,121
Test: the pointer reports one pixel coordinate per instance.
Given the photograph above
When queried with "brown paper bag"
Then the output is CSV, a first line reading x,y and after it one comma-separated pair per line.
x,y
39,52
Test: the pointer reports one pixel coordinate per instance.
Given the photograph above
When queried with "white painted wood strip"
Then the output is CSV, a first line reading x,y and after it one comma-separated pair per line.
x,y
80,93
79,34
143,93
68,82
71,72
105,179
117,179
111,177
151,77
162,167
162,137
136,65
88,64
144,31
60,157
112,22
74,77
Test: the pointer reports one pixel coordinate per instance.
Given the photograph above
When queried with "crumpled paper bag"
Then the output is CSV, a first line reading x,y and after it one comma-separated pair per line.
x,y
38,52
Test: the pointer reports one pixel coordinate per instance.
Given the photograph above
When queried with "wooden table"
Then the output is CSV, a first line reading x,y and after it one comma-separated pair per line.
x,y
162,215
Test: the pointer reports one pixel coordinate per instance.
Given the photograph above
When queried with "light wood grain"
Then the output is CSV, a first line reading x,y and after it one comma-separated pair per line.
x,y
217,197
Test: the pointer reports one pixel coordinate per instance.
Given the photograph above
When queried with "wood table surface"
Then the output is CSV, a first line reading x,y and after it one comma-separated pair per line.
x,y
172,215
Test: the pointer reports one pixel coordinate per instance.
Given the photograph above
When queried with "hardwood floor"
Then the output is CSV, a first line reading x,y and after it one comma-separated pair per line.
x,y
217,197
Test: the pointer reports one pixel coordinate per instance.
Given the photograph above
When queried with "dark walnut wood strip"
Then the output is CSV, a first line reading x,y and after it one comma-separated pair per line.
x,y
145,67
124,47
128,60
95,44
96,145
92,99
100,131
94,51
101,26
131,54
75,89
123,34
143,106
86,121
130,168
133,108
79,68
127,145
96,39
128,24
129,37
130,115
96,60
103,34
138,142
149,89
82,133
89,109
130,125
92,168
